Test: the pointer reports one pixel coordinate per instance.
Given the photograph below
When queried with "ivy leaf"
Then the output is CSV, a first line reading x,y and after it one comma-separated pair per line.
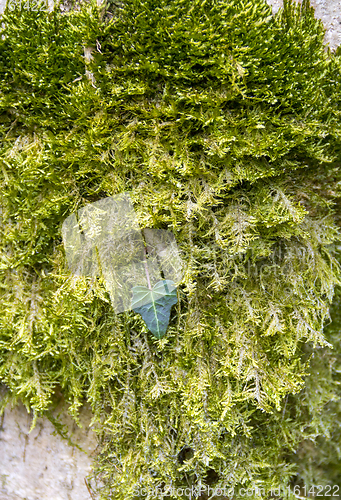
x,y
154,305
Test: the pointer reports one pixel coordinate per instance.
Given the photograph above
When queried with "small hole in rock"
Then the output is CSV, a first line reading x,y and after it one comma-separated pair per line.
x,y
211,476
185,454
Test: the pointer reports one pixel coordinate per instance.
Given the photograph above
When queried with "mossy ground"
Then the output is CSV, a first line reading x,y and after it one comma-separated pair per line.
x,y
223,122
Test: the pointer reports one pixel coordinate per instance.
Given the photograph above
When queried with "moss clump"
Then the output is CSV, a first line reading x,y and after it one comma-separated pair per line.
x,y
224,124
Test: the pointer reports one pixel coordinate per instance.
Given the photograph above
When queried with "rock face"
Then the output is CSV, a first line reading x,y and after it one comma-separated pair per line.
x,y
41,465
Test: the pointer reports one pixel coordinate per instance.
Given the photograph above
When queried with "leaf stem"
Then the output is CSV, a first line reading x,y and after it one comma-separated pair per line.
x,y
146,268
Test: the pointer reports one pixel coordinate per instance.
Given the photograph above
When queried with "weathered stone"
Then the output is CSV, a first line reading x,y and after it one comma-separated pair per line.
x,y
41,465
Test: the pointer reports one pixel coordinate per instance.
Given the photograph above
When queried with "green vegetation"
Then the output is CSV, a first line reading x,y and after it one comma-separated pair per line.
x,y
156,311
223,122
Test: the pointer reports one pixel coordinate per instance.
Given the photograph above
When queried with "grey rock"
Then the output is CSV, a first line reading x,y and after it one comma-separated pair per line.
x,y
41,465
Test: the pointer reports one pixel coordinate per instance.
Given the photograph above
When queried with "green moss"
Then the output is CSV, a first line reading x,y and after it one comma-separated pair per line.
x,y
224,124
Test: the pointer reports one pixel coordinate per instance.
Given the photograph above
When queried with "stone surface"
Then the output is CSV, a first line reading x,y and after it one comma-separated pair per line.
x,y
41,465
